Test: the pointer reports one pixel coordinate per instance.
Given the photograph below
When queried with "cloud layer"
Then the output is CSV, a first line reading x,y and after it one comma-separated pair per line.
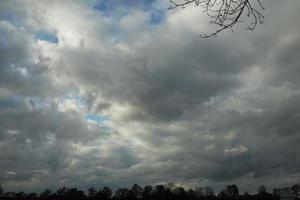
x,y
112,94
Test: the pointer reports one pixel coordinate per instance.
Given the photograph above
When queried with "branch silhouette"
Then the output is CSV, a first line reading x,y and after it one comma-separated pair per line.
x,y
226,13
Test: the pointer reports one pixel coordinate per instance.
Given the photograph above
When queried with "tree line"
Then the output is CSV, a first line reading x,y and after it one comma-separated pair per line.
x,y
137,192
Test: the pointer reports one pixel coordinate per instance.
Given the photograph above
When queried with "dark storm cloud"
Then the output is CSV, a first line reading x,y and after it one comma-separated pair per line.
x,y
14,45
177,86
166,89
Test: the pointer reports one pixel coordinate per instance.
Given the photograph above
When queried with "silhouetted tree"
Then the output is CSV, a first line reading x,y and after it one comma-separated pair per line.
x,y
147,192
1,191
229,193
92,192
21,194
263,194
74,194
296,189
121,193
246,196
226,13
179,193
136,192
106,193
198,191
261,189
208,191
159,192
61,192
190,194
32,196
234,191
46,194
9,195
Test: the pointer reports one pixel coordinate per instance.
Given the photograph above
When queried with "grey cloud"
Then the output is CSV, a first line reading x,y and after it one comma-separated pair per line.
x,y
20,73
213,111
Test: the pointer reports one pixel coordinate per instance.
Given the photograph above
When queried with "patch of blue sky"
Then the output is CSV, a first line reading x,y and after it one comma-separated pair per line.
x,y
157,12
46,36
157,16
115,9
102,6
96,118
11,18
119,8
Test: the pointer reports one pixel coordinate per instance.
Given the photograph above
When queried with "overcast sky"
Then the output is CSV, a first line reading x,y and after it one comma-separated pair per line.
x,y
121,92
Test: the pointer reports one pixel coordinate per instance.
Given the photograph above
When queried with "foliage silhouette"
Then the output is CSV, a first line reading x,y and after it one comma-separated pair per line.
x,y
148,192
225,14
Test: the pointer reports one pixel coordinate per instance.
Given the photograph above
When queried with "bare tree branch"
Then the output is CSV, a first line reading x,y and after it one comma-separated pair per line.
x,y
226,13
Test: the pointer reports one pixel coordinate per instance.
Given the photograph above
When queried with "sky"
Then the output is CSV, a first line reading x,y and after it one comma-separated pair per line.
x,y
112,93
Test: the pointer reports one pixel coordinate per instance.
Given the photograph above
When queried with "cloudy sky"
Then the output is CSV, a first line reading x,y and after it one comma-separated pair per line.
x,y
117,92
